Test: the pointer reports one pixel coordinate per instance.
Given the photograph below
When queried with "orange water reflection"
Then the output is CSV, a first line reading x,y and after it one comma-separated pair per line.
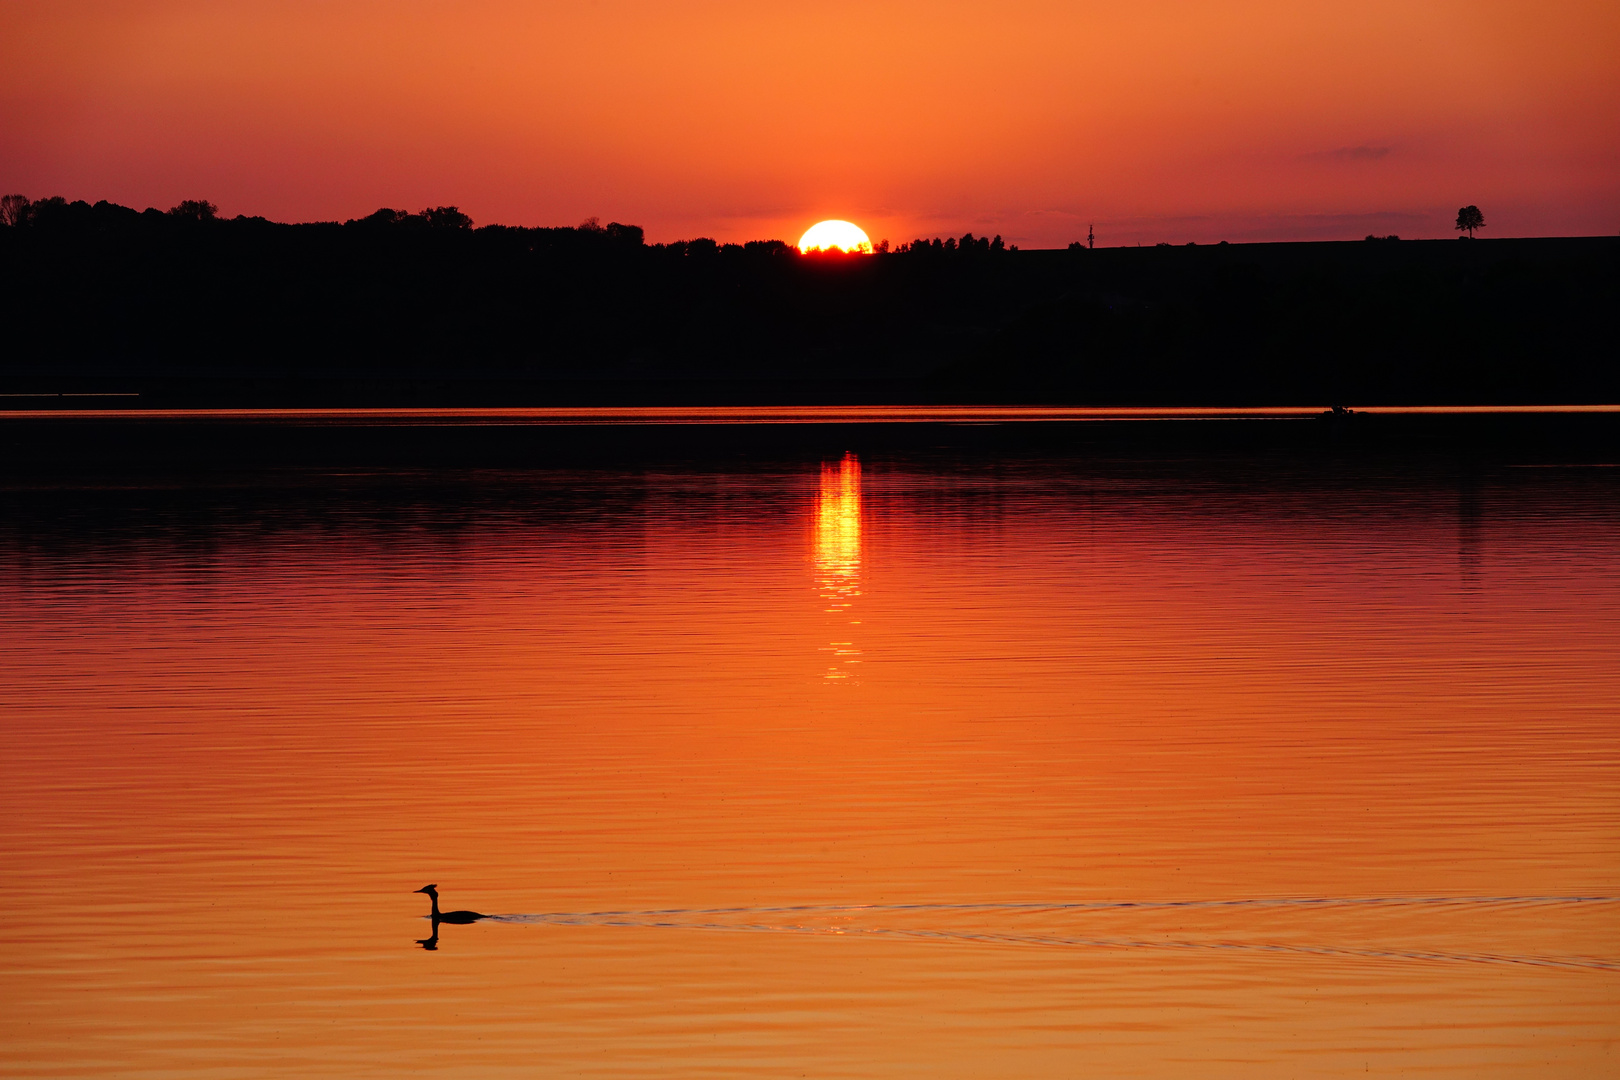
x,y
241,725
838,557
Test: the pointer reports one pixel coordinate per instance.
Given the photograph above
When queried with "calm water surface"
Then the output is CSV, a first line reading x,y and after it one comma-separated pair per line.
x,y
881,765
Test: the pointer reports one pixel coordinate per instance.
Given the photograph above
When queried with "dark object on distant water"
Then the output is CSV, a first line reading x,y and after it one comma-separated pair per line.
x,y
431,942
448,916
1338,412
1470,218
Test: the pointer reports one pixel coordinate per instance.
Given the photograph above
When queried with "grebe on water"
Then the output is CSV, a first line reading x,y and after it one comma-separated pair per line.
x,y
448,916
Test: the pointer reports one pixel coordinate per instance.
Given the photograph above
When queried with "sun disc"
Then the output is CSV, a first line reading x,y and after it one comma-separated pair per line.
x,y
835,236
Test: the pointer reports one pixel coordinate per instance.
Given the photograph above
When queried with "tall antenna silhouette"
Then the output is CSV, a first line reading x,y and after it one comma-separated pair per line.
x,y
1091,237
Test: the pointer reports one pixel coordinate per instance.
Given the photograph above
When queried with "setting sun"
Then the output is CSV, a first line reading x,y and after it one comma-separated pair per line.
x,y
835,236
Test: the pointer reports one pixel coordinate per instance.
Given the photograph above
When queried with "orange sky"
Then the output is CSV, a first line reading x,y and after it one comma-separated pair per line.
x,y
1159,120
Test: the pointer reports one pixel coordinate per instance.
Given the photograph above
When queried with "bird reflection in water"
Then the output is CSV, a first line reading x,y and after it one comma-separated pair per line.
x,y
838,556
431,942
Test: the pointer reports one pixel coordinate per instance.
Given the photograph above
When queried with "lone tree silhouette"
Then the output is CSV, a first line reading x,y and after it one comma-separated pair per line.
x,y
1470,218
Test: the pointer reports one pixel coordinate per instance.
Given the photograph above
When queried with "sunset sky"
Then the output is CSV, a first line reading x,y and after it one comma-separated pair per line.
x,y
1159,120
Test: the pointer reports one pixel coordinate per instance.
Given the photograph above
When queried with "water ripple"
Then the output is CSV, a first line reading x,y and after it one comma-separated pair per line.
x,y
705,919
1094,905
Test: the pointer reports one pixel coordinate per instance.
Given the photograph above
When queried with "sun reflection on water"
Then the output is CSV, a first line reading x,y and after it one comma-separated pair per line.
x,y
838,555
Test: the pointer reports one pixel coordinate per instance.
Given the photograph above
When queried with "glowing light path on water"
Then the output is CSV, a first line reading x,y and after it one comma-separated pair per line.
x,y
838,556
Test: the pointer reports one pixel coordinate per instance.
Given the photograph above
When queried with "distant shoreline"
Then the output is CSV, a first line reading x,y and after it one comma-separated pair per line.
x,y
250,314
784,414
36,445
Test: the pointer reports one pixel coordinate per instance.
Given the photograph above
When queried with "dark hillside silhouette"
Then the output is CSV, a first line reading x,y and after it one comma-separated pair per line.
x,y
421,307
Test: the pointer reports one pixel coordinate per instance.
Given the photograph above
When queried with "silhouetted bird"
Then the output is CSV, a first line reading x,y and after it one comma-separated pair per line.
x,y
448,916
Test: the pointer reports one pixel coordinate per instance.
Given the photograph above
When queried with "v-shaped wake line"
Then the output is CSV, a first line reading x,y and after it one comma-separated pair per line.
x,y
1082,906
707,919
1588,963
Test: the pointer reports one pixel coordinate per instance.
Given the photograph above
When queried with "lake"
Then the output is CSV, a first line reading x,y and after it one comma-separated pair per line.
x,y
842,757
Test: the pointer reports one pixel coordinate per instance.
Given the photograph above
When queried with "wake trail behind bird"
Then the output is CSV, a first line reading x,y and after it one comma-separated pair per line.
x,y
757,920
1096,905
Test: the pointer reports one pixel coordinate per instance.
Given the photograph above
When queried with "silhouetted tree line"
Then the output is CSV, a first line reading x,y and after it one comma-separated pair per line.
x,y
56,212
423,307
968,246
59,214
438,217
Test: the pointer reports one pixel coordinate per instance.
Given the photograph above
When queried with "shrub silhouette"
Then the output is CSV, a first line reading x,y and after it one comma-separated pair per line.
x,y
438,217
698,246
769,247
194,210
445,217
